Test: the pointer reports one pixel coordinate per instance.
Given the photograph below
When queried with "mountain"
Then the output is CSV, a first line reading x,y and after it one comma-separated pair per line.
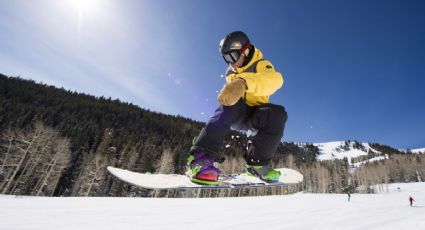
x,y
344,149
357,153
417,151
55,142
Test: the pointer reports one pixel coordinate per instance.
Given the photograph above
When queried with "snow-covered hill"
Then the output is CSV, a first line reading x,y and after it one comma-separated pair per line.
x,y
343,149
386,211
422,151
352,150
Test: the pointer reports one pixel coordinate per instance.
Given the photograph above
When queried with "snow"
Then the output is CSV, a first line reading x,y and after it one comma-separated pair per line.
x,y
335,150
332,150
368,147
380,158
418,150
386,211
339,150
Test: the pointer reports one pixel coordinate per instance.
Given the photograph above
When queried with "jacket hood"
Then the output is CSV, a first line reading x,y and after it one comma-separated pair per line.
x,y
258,55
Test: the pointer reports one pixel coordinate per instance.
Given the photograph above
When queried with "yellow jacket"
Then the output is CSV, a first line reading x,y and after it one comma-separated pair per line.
x,y
261,78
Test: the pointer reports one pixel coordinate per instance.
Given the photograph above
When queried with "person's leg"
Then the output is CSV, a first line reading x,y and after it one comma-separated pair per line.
x,y
211,137
206,147
270,121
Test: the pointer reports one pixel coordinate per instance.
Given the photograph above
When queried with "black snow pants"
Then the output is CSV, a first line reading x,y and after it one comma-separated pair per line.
x,y
267,119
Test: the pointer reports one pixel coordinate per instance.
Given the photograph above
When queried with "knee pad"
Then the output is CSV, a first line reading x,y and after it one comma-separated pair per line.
x,y
261,117
274,115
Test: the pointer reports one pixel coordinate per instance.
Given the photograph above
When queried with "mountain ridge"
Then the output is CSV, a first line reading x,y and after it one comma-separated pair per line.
x,y
55,142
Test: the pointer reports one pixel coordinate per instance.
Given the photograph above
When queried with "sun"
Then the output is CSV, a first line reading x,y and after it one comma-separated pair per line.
x,y
85,5
86,10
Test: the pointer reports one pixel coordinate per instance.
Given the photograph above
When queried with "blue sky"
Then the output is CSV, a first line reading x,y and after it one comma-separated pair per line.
x,y
352,69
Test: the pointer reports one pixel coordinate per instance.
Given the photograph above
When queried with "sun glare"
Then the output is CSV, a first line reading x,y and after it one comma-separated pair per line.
x,y
84,8
85,5
86,16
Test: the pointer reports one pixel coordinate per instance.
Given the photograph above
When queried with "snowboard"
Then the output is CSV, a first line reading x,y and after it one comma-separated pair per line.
x,y
178,181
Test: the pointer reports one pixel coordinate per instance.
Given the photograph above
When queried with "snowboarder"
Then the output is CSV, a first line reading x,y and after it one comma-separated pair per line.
x,y
411,200
349,196
244,105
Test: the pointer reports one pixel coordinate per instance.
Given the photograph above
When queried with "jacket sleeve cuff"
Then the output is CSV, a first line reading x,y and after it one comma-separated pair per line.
x,y
244,82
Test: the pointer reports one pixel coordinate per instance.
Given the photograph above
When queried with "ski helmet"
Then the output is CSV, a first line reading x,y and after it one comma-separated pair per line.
x,y
233,45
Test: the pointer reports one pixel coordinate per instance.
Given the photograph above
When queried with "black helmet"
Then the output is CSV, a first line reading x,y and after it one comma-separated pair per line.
x,y
233,45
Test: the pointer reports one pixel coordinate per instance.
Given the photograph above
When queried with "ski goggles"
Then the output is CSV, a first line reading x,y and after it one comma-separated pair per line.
x,y
234,55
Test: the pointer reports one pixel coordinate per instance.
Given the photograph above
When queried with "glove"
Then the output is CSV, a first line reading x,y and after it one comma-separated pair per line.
x,y
232,92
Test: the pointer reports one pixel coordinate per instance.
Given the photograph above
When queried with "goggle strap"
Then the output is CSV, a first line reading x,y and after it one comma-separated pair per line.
x,y
244,47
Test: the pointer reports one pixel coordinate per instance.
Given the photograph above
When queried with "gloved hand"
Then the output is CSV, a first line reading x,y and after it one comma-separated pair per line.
x,y
232,92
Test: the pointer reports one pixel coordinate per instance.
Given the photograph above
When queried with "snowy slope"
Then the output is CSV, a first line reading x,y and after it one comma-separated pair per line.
x,y
387,211
334,150
342,149
380,158
418,150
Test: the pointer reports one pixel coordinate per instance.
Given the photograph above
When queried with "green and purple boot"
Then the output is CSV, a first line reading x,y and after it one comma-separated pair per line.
x,y
201,169
265,173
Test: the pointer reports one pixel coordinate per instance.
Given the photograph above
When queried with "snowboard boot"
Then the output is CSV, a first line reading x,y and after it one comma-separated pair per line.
x,y
265,173
201,169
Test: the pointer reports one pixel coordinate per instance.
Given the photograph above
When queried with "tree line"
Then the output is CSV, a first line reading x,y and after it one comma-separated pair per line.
x,y
55,142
